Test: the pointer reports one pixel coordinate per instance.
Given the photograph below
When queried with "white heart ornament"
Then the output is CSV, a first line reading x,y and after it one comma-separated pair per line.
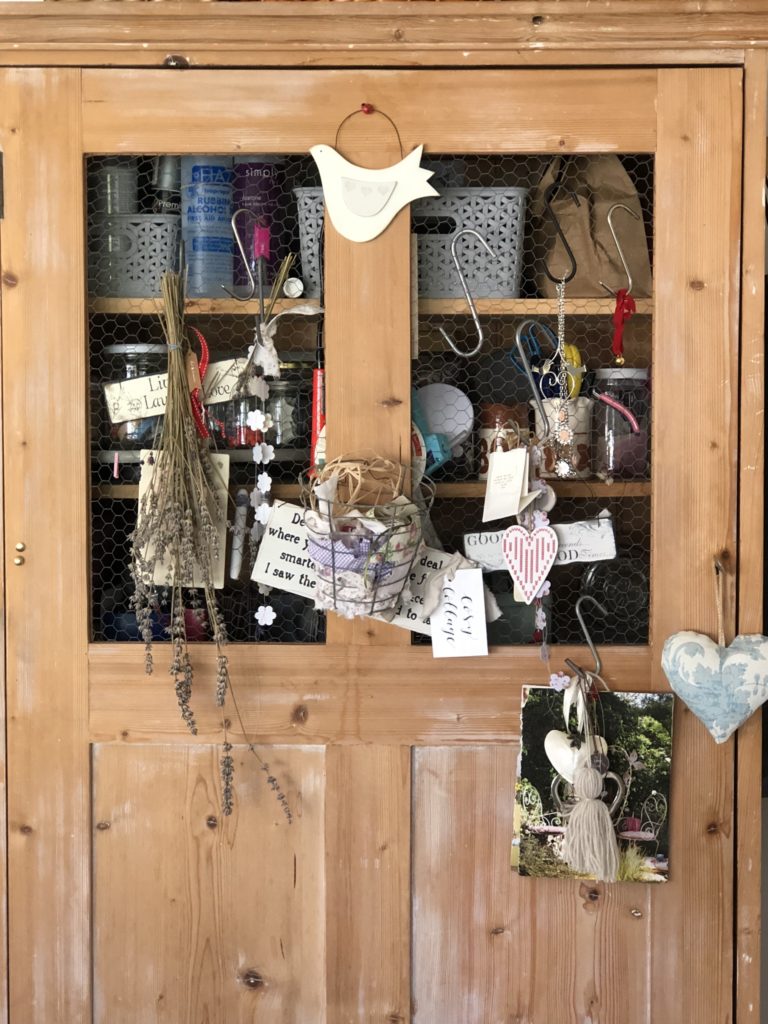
x,y
529,556
722,686
565,757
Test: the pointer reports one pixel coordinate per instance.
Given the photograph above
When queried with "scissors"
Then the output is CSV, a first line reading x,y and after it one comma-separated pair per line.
x,y
531,341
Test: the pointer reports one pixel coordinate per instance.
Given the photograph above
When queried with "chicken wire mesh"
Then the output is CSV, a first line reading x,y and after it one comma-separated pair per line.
x,y
464,406
138,210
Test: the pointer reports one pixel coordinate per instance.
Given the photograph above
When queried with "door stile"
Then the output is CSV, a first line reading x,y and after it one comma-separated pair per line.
x,y
45,510
698,231
751,516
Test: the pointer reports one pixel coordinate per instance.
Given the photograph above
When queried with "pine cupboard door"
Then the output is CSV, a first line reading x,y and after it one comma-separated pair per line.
x,y
390,897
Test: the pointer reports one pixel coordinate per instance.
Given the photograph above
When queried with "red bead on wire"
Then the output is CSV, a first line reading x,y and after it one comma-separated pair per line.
x,y
367,108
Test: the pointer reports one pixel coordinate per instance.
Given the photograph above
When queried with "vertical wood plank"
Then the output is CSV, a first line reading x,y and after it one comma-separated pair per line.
x,y
751,513
697,280
490,945
368,823
199,917
367,336
3,723
44,400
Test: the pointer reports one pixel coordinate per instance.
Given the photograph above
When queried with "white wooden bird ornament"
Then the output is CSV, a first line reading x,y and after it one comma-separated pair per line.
x,y
362,201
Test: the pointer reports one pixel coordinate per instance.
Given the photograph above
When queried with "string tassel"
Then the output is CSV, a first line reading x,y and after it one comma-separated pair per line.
x,y
589,845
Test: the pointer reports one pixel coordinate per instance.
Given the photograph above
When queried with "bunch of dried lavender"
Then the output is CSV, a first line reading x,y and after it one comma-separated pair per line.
x,y
176,541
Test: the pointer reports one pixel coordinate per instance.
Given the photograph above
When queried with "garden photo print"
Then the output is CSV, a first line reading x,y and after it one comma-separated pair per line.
x,y
632,750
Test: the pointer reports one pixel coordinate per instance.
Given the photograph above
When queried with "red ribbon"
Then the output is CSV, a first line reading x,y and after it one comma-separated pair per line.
x,y
194,396
625,307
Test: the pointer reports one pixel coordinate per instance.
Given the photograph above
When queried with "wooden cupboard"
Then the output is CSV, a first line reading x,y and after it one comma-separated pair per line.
x,y
391,896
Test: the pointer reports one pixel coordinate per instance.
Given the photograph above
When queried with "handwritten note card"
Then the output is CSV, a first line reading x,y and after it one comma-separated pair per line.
x,y
506,492
458,625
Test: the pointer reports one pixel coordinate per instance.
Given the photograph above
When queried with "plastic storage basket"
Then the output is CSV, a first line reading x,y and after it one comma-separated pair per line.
x,y
128,253
497,213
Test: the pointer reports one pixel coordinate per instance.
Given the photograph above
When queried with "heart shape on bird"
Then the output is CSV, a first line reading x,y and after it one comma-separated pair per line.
x,y
529,556
567,752
722,686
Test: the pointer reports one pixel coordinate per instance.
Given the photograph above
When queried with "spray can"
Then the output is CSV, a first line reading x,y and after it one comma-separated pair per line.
x,y
206,211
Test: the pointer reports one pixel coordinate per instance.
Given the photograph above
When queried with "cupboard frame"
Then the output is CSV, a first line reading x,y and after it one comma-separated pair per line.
x,y
338,661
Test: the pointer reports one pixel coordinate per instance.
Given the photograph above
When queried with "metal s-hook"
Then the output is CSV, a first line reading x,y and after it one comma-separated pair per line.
x,y
535,391
559,232
613,209
590,643
468,297
246,264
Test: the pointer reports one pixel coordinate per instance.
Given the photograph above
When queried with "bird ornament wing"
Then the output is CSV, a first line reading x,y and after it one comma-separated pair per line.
x,y
362,201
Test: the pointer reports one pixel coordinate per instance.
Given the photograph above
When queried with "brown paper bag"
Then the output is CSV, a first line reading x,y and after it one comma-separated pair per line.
x,y
599,182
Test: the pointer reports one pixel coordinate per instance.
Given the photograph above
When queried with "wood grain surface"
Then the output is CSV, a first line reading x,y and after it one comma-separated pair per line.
x,y
751,519
695,475
44,441
533,32
198,917
339,694
367,858
287,112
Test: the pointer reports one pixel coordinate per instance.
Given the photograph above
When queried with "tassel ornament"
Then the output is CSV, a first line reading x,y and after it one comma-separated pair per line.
x,y
589,844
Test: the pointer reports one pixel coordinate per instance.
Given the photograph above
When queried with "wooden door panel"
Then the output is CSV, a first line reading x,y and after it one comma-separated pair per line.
x,y
393,884
203,918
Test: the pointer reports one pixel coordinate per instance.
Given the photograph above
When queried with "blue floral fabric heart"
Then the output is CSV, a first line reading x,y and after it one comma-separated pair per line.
x,y
722,686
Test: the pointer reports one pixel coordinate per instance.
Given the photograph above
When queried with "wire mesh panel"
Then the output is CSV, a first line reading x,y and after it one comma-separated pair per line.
x,y
139,210
471,395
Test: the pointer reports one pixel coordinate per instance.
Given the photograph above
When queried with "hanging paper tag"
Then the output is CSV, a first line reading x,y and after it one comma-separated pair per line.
x,y
283,559
506,492
458,624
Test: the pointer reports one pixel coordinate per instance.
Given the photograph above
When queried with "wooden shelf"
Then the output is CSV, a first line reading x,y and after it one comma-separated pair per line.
x,y
467,489
427,307
563,488
194,307
130,492
527,307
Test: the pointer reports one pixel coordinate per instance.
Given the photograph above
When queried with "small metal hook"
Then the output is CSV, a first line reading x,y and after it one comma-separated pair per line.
x,y
531,379
246,264
590,643
559,231
470,300
613,209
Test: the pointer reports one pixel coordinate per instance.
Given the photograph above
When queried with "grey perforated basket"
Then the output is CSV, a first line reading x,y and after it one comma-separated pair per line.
x,y
128,253
497,213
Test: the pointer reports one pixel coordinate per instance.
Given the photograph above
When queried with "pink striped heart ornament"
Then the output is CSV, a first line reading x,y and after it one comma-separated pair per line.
x,y
529,556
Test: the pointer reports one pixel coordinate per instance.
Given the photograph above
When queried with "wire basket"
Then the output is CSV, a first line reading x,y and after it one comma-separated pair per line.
x,y
498,213
363,550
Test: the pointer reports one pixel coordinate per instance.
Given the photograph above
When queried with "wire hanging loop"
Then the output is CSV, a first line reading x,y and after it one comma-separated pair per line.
x,y
368,108
619,250
565,278
246,263
467,295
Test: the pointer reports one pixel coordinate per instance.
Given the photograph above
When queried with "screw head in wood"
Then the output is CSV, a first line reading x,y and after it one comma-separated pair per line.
x,y
18,560
21,546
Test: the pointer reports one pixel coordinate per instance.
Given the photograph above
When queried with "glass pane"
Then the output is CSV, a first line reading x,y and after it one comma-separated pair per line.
x,y
138,210
478,398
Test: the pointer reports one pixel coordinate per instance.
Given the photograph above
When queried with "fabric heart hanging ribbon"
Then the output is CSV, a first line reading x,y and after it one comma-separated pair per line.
x,y
722,685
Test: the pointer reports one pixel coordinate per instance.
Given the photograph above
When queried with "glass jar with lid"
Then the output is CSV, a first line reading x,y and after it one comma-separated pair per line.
x,y
126,362
622,423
